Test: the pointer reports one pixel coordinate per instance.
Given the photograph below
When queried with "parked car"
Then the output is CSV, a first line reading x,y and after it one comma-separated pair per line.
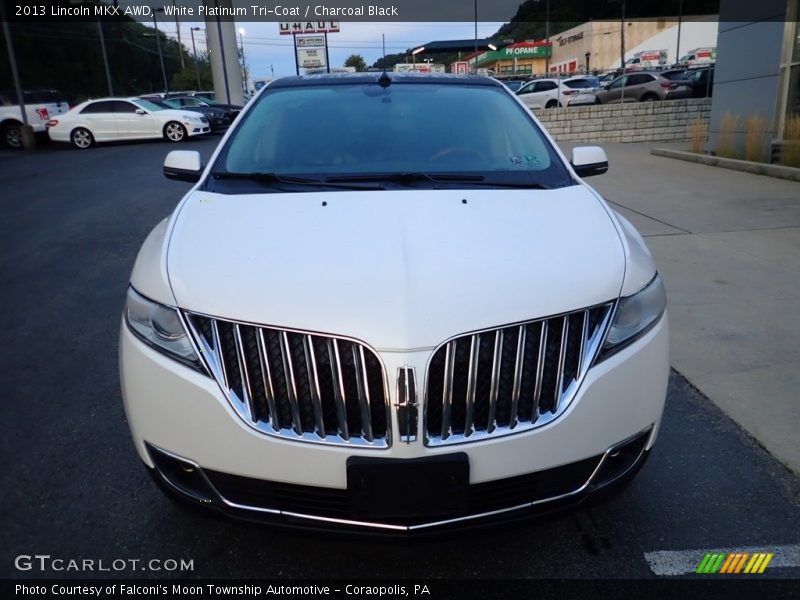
x,y
701,82
674,74
114,119
232,110
582,90
642,87
544,93
218,119
318,307
40,107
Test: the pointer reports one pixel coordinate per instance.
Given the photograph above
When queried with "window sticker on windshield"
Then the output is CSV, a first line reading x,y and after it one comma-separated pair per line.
x,y
524,160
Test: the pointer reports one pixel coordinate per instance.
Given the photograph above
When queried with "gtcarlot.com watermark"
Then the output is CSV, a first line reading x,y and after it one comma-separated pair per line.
x,y
45,563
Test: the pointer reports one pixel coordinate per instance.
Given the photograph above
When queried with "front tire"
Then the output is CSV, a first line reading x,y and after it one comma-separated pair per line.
x,y
174,132
81,138
552,104
12,135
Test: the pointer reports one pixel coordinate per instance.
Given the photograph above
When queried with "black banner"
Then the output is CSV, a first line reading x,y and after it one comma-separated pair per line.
x,y
484,589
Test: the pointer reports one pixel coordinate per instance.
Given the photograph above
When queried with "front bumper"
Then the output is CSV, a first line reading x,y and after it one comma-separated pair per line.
x,y
174,412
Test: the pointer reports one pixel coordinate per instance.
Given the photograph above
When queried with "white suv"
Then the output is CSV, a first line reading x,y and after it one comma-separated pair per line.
x,y
417,321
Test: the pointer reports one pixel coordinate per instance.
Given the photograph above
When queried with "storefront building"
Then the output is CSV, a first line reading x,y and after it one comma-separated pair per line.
x,y
757,74
522,58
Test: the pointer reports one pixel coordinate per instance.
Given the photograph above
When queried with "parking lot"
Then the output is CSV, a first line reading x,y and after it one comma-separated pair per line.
x,y
73,486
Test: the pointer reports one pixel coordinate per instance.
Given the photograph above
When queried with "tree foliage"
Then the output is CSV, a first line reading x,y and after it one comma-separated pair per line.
x,y
356,61
67,57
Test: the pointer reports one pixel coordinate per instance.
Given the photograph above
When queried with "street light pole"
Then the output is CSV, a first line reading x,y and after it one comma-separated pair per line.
x,y
105,57
194,51
160,54
180,43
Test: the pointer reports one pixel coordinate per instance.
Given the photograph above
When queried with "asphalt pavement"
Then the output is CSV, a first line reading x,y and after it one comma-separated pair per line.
x,y
73,486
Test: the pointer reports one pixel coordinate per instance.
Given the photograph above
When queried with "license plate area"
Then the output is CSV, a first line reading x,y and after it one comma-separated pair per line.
x,y
398,488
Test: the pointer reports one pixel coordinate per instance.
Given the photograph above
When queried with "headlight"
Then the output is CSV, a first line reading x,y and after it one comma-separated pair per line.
x,y
160,327
635,316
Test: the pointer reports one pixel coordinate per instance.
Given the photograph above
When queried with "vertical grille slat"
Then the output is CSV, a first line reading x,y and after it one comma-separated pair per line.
x,y
519,363
447,396
509,379
497,363
247,387
295,385
269,390
362,385
472,378
338,387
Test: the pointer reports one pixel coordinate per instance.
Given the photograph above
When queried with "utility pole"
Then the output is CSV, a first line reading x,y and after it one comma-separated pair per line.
x,y
194,51
244,64
680,19
160,53
622,37
105,57
180,43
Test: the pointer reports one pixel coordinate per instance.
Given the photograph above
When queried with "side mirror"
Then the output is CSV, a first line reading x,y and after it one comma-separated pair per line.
x,y
589,160
183,165
141,111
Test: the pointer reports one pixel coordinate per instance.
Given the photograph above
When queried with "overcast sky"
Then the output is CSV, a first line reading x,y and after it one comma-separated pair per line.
x,y
264,47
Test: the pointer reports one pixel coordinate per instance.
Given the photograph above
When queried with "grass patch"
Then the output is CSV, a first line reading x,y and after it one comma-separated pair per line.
x,y
754,127
790,151
726,139
698,132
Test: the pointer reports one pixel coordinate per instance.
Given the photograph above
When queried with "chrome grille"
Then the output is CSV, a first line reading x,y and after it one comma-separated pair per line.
x,y
297,385
510,379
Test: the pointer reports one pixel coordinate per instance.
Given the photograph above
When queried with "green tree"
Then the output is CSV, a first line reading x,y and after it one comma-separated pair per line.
x,y
357,61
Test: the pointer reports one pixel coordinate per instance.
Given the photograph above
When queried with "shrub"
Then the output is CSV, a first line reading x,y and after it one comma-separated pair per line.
x,y
726,139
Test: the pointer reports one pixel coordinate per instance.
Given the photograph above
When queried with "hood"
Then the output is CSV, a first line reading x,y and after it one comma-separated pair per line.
x,y
399,270
179,114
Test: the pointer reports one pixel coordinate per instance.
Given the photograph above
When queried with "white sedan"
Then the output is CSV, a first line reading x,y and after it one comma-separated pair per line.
x,y
115,119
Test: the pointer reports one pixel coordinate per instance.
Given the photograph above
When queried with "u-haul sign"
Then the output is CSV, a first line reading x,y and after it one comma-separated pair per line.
x,y
300,27
310,41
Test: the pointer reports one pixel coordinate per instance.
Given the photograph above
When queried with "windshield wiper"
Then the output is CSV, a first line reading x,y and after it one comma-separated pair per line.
x,y
415,177
267,177
408,177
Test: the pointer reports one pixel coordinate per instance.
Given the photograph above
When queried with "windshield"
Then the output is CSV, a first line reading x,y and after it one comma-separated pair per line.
x,y
406,128
147,105
171,104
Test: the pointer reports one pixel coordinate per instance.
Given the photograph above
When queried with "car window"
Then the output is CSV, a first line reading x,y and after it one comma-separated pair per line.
x,y
527,88
147,105
618,83
639,79
546,86
104,106
577,84
120,106
403,128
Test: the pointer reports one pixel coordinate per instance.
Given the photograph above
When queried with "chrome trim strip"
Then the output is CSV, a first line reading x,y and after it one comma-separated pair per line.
x,y
584,344
518,365
447,394
291,388
537,390
562,356
472,380
494,387
419,526
338,387
249,400
313,384
218,350
362,384
266,376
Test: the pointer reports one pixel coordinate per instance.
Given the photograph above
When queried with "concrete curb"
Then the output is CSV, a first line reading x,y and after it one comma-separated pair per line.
x,y
778,171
